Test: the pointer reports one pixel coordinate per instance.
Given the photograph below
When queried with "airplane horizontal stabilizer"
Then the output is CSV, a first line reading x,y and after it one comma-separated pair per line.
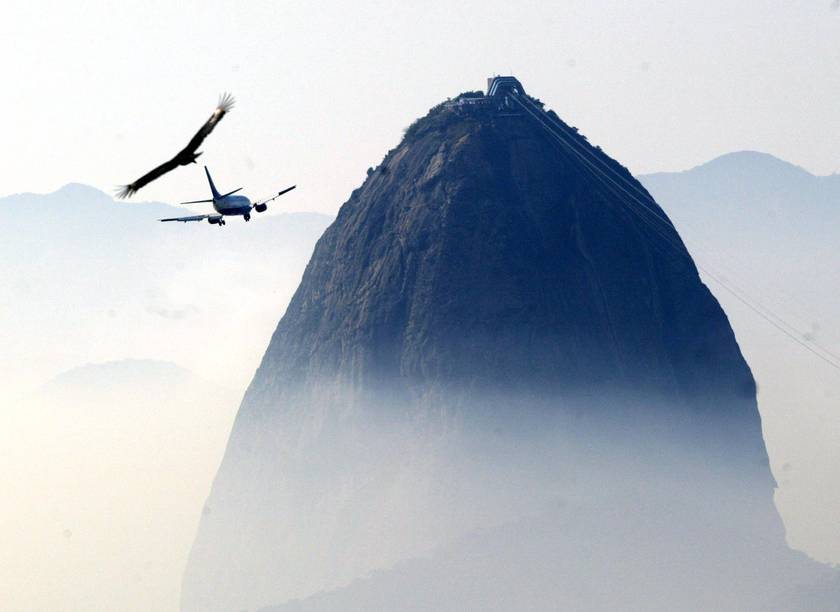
x,y
197,202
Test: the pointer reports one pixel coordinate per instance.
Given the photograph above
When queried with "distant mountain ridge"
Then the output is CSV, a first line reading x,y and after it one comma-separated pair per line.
x,y
90,201
122,374
761,174
105,280
742,163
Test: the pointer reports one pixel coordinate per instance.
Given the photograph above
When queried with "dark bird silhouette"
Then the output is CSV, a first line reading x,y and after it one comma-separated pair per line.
x,y
185,156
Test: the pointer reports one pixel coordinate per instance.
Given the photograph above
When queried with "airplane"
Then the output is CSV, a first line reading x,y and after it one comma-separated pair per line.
x,y
227,205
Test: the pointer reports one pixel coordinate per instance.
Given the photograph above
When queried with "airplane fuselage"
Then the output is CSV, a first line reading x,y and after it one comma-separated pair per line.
x,y
232,205
227,205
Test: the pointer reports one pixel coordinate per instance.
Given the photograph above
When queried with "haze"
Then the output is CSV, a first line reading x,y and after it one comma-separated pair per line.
x,y
99,93
99,302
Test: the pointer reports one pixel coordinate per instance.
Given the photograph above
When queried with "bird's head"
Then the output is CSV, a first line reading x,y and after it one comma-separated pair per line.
x,y
195,156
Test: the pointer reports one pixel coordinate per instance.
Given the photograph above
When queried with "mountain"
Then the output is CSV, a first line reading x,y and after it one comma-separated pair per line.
x,y
756,200
128,376
487,333
770,229
758,177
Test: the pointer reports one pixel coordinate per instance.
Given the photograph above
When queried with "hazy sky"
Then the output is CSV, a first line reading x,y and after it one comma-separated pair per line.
x,y
100,92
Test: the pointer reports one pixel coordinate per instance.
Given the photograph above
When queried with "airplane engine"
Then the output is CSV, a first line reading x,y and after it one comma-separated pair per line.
x,y
219,220
261,207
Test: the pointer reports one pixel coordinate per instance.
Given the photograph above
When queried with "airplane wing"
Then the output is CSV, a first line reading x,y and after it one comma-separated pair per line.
x,y
286,190
216,218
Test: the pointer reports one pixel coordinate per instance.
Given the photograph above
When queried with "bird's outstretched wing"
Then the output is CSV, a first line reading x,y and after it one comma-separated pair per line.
x,y
126,191
186,155
226,102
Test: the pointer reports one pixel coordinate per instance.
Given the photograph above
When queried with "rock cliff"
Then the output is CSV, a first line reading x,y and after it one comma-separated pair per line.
x,y
485,331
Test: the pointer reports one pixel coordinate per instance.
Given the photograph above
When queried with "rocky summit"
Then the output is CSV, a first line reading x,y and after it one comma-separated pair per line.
x,y
499,327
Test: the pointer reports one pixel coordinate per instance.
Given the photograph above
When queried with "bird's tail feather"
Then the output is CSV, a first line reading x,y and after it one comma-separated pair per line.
x,y
226,102
125,191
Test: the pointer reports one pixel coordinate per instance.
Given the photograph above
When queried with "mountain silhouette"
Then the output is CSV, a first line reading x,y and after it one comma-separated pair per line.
x,y
487,331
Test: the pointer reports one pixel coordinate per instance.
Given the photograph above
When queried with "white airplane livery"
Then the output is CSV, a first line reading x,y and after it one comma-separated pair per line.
x,y
227,205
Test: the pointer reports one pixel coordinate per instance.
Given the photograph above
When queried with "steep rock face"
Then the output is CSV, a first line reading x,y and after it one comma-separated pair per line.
x,y
479,252
480,281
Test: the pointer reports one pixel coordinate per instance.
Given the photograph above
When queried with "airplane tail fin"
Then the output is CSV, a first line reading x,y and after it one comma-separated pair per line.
x,y
216,194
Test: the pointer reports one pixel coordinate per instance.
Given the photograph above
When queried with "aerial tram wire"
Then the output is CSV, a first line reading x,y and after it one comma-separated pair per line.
x,y
775,320
670,236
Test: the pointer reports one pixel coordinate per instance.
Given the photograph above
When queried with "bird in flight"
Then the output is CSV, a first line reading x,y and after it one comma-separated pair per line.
x,y
187,155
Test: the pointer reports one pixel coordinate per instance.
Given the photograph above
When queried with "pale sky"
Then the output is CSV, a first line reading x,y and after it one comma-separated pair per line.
x,y
100,93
